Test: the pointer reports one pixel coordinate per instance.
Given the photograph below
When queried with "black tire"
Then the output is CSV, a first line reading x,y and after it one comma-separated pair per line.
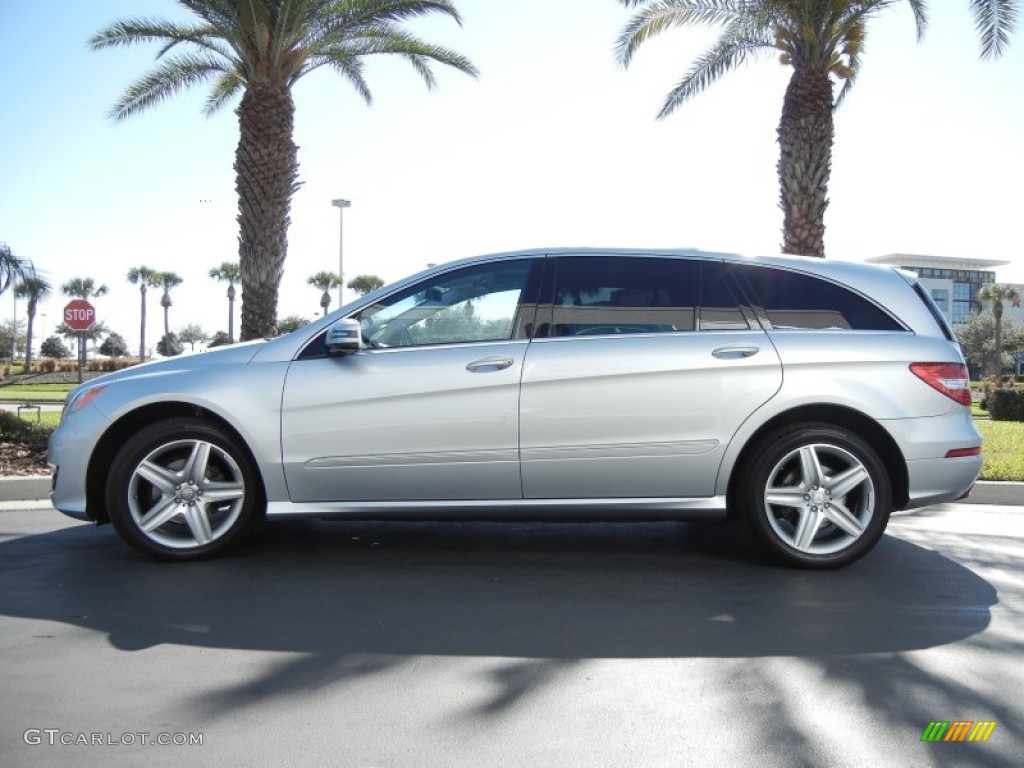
x,y
170,510
814,495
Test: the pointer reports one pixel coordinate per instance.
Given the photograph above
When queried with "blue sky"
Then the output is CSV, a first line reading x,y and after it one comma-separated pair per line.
x,y
553,145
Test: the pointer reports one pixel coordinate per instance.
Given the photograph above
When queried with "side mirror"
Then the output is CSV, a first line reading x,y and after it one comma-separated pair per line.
x,y
344,337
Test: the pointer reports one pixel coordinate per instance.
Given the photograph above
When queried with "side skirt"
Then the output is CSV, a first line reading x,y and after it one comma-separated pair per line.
x,y
705,508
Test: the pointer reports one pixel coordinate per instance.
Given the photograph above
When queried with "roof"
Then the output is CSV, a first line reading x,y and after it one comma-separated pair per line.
x,y
940,262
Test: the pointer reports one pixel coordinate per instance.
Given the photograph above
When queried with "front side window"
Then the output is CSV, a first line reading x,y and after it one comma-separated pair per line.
x,y
796,301
477,303
604,295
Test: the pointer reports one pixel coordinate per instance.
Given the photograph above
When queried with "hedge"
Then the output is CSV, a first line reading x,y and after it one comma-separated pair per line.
x,y
1006,404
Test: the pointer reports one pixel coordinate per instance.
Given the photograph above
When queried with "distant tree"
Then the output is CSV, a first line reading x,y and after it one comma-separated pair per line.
x,y
9,333
191,334
167,281
12,268
324,281
35,289
364,284
114,346
145,278
54,347
291,323
977,339
997,294
169,346
229,272
219,339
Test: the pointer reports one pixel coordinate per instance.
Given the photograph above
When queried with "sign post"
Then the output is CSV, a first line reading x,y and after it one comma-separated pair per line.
x,y
79,315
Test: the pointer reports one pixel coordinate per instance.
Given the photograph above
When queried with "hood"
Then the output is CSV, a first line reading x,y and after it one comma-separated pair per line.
x,y
234,354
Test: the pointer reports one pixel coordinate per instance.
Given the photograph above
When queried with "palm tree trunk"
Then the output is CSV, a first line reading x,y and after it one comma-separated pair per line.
x,y
805,161
231,314
28,336
142,328
266,176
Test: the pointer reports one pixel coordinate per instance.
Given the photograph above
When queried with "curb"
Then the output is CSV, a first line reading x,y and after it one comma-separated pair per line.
x,y
37,488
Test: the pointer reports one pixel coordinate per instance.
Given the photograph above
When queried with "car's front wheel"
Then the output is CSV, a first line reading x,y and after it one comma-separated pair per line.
x,y
815,495
182,489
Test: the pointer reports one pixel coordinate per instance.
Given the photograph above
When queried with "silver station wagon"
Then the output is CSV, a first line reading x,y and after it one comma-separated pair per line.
x,y
804,398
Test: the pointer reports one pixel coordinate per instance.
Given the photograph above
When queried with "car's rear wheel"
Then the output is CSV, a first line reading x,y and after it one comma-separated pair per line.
x,y
815,495
182,489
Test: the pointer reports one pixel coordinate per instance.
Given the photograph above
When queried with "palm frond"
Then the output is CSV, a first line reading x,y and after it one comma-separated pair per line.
x,y
727,54
226,87
165,81
995,21
661,16
135,31
346,64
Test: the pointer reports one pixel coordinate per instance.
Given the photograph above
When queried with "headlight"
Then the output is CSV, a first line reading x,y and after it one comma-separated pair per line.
x,y
81,399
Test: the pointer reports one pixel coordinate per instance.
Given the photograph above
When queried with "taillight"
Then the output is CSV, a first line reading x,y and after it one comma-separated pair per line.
x,y
951,379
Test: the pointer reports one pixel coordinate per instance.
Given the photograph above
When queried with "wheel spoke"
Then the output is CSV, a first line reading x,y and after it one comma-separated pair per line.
x,y
785,497
810,467
844,519
198,523
195,467
166,510
843,483
161,478
806,529
223,491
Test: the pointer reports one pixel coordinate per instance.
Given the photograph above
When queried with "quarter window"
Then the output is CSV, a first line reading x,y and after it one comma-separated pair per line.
x,y
795,301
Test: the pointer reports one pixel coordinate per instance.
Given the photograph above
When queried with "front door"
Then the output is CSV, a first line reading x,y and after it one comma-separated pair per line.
x,y
429,409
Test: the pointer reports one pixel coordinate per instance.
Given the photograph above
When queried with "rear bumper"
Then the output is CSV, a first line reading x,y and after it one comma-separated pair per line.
x,y
931,477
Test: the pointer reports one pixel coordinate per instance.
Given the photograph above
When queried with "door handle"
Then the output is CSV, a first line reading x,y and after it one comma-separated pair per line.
x,y
486,364
734,352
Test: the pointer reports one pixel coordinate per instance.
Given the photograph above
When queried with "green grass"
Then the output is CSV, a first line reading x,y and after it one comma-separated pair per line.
x,y
49,393
1002,450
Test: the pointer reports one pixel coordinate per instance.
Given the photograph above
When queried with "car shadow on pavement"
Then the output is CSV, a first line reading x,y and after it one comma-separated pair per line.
x,y
542,591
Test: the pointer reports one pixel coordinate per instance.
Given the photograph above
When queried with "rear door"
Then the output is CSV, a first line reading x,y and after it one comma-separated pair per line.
x,y
641,371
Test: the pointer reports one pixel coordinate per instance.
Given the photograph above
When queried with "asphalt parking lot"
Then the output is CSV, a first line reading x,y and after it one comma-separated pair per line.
x,y
361,644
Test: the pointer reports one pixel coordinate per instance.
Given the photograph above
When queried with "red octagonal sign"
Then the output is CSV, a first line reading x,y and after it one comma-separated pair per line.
x,y
79,315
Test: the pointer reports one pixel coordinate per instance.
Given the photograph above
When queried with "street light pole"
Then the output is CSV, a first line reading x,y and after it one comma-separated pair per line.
x,y
341,205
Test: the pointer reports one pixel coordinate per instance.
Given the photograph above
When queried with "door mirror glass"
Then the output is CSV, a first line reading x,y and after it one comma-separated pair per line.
x,y
344,337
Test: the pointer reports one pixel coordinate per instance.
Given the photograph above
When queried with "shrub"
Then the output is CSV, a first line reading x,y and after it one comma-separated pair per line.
x,y
1006,404
14,429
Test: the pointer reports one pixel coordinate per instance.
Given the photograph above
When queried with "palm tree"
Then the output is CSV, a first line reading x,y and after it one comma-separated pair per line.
x,y
261,48
145,278
822,41
364,284
167,280
229,272
83,288
35,289
12,268
997,294
324,281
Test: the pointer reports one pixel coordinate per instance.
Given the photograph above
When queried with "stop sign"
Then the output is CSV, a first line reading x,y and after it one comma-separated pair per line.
x,y
79,315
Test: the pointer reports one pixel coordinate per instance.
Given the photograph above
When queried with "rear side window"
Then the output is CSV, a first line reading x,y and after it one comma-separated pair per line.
x,y
602,295
791,300
936,313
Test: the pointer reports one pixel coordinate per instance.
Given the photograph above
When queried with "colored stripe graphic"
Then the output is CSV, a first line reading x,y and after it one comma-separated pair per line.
x,y
958,730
